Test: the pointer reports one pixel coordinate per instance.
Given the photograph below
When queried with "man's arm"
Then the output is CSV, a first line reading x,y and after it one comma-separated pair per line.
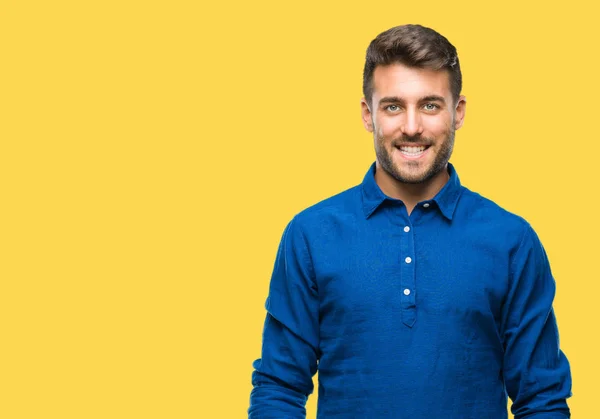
x,y
536,372
282,378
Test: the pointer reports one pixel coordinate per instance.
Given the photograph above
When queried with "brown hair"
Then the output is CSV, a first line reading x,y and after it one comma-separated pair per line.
x,y
413,46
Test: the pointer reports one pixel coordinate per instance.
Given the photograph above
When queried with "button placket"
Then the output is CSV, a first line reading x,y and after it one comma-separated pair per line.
x,y
407,281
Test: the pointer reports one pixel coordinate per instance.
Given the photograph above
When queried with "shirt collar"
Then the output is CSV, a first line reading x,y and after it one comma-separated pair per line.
x,y
446,199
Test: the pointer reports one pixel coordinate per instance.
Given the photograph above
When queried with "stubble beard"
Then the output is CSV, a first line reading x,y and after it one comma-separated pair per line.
x,y
439,163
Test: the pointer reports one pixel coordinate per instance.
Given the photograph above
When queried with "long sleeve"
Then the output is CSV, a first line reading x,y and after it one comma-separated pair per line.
x,y
282,380
536,372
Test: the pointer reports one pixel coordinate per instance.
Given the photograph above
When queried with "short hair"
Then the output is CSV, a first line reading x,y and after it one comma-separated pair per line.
x,y
413,46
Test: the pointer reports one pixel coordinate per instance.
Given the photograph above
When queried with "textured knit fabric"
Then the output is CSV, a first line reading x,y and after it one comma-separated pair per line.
x,y
439,314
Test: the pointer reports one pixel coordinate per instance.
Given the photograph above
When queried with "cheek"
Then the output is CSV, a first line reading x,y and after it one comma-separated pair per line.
x,y
438,126
386,128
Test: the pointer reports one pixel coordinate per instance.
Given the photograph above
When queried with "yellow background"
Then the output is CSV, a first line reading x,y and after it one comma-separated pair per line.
x,y
152,153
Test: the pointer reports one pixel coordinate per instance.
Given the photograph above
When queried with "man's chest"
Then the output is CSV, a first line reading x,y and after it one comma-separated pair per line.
x,y
404,275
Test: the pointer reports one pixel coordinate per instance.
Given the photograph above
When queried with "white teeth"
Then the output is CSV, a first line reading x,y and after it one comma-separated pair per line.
x,y
412,150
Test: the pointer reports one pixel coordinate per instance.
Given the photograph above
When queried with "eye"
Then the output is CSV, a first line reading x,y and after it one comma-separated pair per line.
x,y
431,107
392,108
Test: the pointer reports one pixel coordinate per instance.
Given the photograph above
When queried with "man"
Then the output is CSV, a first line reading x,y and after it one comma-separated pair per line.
x,y
411,295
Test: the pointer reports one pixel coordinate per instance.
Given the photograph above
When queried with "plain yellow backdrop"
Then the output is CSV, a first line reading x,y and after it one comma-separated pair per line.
x,y
153,152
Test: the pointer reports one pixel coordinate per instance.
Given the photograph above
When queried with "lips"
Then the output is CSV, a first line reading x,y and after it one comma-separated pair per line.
x,y
412,151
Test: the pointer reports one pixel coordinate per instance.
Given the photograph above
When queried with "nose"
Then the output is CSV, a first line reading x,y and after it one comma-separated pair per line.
x,y
412,124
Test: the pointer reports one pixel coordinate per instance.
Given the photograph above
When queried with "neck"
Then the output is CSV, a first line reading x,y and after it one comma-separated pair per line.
x,y
410,193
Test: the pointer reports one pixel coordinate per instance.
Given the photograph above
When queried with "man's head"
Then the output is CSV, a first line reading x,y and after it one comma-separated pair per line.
x,y
414,46
412,102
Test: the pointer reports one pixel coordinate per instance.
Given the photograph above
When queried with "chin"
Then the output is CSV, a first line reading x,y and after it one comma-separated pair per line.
x,y
420,175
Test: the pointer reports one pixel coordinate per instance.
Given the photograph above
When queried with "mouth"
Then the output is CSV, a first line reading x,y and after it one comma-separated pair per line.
x,y
412,152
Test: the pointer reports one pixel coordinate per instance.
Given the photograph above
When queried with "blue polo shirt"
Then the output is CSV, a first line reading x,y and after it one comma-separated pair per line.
x,y
440,314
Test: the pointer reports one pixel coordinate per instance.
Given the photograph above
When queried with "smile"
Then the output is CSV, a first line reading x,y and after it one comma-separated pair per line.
x,y
412,152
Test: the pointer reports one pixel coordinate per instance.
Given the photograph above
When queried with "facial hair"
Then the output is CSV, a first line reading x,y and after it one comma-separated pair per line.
x,y
439,163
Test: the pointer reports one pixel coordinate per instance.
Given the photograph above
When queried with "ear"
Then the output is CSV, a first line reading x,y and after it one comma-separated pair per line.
x,y
459,112
367,116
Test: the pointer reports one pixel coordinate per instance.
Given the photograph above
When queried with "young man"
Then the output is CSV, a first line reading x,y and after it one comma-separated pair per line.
x,y
413,296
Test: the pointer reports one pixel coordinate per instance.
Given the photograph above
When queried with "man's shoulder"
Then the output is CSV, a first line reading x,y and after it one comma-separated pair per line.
x,y
478,208
345,203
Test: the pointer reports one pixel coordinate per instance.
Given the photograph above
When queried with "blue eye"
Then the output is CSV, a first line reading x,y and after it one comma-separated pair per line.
x,y
393,108
431,106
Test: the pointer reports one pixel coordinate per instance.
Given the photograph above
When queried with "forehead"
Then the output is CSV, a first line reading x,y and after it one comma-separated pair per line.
x,y
409,82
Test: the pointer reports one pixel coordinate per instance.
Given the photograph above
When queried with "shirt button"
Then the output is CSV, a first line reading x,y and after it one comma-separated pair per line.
x,y
408,260
406,229
406,291
426,205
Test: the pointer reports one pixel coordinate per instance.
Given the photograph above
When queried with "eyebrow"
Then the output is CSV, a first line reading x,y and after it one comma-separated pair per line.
x,y
396,99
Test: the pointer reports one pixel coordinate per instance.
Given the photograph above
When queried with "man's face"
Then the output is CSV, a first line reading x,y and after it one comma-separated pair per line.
x,y
413,118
